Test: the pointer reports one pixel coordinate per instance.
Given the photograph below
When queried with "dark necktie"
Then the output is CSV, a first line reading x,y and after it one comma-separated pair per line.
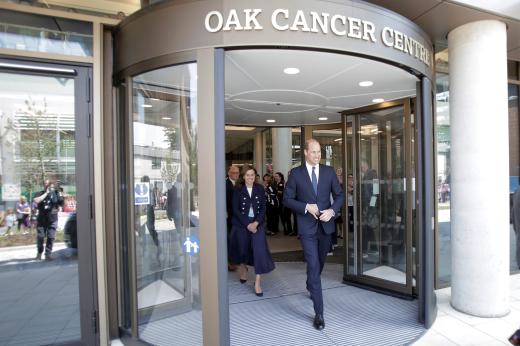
x,y
314,181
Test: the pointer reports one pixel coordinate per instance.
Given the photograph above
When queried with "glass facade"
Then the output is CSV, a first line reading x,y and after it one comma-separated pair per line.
x,y
31,32
165,199
443,163
38,238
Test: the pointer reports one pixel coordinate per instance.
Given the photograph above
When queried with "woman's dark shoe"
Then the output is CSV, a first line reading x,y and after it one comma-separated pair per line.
x,y
259,294
243,281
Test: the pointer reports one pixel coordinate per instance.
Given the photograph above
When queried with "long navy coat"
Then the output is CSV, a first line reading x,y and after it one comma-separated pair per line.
x,y
246,247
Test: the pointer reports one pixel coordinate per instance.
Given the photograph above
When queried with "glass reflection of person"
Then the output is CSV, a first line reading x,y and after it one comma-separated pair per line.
x,y
350,202
369,212
173,203
48,202
150,217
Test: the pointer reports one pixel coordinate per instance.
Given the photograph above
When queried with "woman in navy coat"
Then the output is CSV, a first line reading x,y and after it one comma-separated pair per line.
x,y
249,243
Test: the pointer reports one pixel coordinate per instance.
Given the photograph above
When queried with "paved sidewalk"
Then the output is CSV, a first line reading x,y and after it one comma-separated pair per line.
x,y
454,328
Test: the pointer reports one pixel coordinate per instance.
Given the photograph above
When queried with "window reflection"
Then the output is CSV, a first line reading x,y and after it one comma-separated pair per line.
x,y
39,284
166,197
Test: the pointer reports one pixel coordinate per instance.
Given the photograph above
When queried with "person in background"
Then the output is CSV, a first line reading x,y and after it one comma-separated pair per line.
x,y
272,205
350,202
231,180
248,233
23,213
285,213
48,201
10,219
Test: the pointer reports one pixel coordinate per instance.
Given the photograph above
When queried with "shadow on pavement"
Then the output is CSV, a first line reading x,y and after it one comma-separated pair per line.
x,y
60,257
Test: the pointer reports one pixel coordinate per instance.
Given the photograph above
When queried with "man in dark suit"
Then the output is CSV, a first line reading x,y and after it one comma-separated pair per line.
x,y
233,174
308,193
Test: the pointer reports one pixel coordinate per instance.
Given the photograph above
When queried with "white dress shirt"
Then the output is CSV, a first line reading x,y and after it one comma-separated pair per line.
x,y
316,171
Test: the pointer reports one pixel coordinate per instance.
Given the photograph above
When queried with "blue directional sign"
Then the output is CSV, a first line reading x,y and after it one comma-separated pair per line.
x,y
191,245
142,193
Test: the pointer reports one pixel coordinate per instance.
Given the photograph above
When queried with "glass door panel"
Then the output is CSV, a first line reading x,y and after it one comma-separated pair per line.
x,y
379,249
45,262
165,200
350,193
383,196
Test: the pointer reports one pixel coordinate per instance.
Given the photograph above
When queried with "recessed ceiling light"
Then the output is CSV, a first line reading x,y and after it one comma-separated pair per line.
x,y
167,118
366,83
270,120
323,118
147,105
154,99
291,70
378,100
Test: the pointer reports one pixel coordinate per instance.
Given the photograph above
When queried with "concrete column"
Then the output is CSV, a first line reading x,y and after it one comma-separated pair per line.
x,y
282,149
258,153
479,169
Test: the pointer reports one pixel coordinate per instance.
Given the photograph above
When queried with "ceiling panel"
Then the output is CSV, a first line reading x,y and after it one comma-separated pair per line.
x,y
257,89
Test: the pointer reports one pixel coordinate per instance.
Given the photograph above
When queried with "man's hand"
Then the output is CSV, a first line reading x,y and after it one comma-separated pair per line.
x,y
326,215
313,210
252,227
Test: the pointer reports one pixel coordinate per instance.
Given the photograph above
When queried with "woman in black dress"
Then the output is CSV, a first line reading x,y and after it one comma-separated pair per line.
x,y
248,228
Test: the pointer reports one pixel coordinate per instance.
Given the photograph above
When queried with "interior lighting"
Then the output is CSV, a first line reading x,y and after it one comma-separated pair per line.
x,y
291,70
145,105
166,118
270,120
323,118
366,83
378,100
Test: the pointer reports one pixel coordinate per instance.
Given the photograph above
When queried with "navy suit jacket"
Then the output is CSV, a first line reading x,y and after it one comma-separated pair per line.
x,y
242,203
299,192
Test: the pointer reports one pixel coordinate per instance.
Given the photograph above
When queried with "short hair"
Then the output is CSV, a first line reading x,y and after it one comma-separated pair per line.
x,y
309,141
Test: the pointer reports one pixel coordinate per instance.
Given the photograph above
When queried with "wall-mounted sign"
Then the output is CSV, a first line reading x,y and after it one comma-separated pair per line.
x,y
11,192
142,193
317,23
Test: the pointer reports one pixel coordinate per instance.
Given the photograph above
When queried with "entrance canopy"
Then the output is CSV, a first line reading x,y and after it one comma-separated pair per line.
x,y
353,27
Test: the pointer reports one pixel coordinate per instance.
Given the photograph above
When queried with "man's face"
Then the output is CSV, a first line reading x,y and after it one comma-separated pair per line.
x,y
313,154
233,173
46,183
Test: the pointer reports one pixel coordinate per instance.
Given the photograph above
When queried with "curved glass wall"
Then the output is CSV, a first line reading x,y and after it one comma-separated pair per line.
x,y
165,199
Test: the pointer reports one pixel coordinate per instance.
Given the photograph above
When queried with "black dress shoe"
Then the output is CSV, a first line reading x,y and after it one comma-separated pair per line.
x,y
515,338
319,322
242,281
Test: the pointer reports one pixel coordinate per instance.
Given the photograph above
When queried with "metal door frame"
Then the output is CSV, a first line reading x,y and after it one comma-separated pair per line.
x,y
352,116
132,315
